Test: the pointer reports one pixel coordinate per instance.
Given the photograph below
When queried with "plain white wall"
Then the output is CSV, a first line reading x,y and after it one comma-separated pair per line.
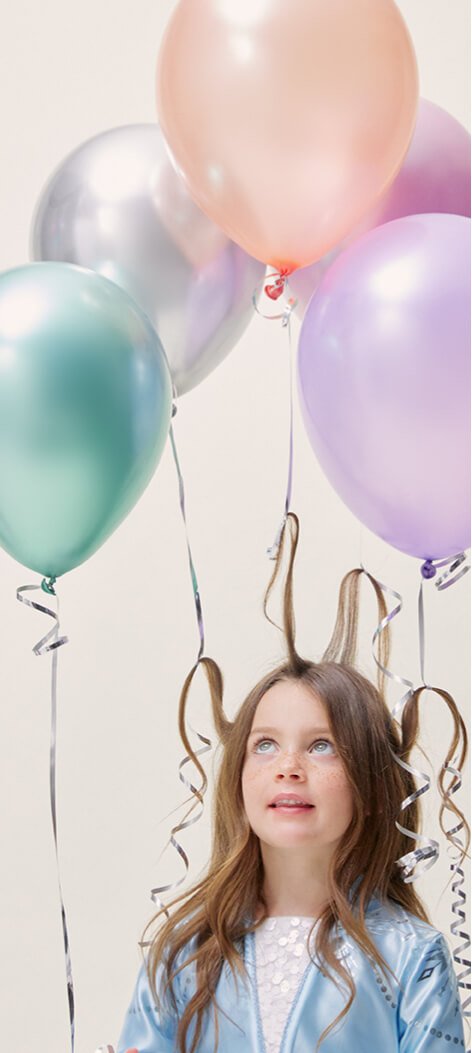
x,y
69,71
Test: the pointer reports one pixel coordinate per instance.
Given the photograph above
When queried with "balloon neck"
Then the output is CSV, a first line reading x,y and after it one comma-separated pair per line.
x,y
48,586
428,570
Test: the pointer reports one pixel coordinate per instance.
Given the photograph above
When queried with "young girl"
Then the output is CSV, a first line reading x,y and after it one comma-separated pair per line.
x,y
303,934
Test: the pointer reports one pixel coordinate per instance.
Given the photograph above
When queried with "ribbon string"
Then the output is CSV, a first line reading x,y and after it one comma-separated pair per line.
x,y
427,849
196,792
277,290
459,904
456,568
183,825
193,576
50,642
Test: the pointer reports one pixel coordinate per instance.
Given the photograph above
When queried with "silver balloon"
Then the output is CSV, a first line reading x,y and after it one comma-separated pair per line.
x,y
117,206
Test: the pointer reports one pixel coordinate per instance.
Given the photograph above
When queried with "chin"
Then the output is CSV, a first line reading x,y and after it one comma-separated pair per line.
x,y
290,839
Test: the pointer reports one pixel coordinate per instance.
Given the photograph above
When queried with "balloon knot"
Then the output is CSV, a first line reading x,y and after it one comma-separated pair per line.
x,y
48,586
428,570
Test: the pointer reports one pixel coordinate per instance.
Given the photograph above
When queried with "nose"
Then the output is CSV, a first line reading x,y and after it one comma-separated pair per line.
x,y
290,767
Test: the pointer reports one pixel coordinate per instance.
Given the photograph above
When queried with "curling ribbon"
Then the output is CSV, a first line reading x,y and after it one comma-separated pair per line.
x,y
50,643
456,569
275,291
458,907
196,592
183,825
428,849
197,793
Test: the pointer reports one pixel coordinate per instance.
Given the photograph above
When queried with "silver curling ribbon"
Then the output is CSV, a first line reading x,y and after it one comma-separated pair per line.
x,y
459,903
193,576
427,848
277,290
456,567
198,804
50,643
196,792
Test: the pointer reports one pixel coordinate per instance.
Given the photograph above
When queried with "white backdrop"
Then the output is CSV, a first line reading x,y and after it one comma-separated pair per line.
x,y
70,71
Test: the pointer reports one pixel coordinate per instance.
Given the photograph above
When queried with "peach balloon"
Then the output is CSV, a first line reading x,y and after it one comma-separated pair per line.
x,y
287,118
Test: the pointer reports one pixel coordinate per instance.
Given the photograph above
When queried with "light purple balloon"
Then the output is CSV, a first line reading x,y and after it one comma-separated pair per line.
x,y
384,382
434,177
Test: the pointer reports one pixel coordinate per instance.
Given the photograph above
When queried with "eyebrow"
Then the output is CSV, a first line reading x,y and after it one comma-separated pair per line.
x,y
276,731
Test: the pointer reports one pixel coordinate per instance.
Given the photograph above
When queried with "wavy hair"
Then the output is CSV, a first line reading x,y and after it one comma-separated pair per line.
x,y
217,912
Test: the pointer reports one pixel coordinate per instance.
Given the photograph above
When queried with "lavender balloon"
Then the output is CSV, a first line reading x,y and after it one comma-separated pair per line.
x,y
434,177
384,381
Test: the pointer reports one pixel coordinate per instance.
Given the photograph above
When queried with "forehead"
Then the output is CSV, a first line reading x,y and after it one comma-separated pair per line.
x,y
290,703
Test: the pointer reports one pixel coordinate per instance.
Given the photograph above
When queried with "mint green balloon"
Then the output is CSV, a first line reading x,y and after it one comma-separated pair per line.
x,y
85,406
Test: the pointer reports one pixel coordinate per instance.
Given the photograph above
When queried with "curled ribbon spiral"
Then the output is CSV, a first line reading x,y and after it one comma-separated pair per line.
x,y
459,904
428,853
427,849
456,568
50,643
198,803
275,291
196,792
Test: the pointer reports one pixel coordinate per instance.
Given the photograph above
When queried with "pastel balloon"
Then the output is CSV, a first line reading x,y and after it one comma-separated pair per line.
x,y
287,119
117,205
434,177
384,381
85,403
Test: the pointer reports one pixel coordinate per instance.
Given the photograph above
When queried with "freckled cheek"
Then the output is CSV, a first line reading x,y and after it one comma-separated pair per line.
x,y
257,769
336,786
252,775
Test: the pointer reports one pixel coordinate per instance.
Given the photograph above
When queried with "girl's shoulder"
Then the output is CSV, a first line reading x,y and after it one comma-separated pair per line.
x,y
386,916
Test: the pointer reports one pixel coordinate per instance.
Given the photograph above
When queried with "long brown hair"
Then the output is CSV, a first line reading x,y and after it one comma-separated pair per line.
x,y
222,907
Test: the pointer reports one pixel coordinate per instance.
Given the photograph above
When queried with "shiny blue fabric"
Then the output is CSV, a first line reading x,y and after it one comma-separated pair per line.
x,y
419,1012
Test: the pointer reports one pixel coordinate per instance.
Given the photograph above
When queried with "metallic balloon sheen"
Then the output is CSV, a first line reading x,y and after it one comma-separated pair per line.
x,y
117,205
384,382
85,403
434,177
288,119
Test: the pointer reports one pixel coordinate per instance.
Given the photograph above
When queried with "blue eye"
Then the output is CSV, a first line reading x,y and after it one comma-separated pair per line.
x,y
260,747
323,748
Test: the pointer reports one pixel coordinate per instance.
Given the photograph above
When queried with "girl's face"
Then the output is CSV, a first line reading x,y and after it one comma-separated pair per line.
x,y
295,788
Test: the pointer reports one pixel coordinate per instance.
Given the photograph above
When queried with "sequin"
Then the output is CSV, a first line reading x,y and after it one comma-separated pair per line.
x,y
281,960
